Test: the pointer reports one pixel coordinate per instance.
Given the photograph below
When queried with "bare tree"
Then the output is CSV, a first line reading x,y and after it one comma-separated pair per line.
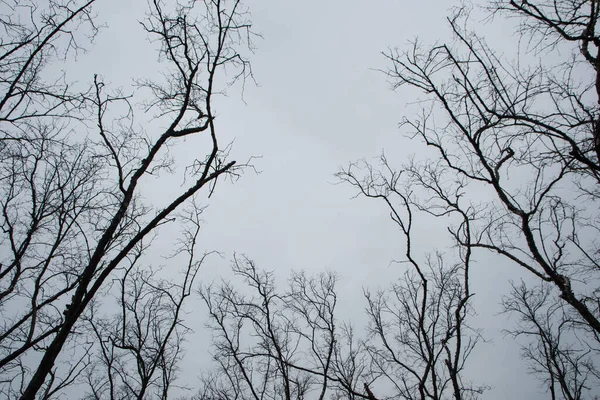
x,y
269,344
138,347
557,354
418,336
352,366
72,166
517,142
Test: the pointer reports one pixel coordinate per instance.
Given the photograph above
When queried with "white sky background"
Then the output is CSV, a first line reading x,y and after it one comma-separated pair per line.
x,y
319,105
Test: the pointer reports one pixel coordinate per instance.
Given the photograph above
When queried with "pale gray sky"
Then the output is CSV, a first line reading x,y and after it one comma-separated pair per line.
x,y
319,104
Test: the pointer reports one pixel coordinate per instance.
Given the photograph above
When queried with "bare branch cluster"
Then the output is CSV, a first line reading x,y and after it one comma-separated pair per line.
x,y
269,344
289,344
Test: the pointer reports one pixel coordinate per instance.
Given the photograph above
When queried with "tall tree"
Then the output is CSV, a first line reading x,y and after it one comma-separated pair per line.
x,y
515,153
73,164
419,338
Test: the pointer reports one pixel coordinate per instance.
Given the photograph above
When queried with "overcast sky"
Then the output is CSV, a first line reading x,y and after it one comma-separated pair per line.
x,y
319,104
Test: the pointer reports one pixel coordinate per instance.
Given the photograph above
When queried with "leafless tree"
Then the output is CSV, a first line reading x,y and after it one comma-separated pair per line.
x,y
257,337
281,344
518,143
557,354
138,347
73,163
418,337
